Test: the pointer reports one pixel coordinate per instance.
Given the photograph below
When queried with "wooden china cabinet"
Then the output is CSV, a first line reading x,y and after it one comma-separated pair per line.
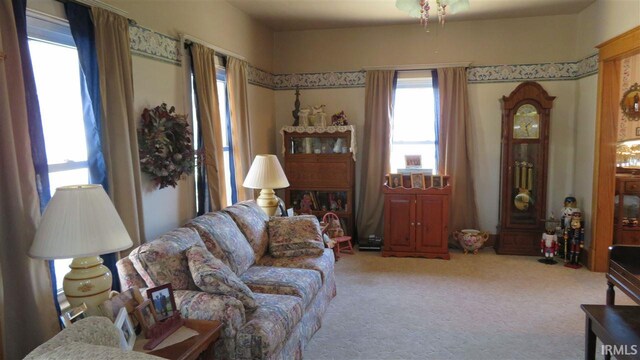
x,y
525,147
416,221
320,165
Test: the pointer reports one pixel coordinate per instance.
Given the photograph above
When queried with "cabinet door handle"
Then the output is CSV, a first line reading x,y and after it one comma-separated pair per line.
x,y
419,224
413,224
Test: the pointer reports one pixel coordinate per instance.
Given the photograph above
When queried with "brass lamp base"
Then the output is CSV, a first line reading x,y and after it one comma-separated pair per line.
x,y
88,282
268,201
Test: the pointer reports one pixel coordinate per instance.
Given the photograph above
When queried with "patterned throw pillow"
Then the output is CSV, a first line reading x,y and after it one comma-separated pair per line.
x,y
213,276
295,236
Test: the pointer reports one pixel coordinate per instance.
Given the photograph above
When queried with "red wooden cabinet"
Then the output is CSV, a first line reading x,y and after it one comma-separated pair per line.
x,y
416,222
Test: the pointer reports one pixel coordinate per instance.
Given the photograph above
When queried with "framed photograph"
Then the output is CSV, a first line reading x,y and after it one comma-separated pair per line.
x,y
146,315
413,161
129,299
417,180
638,131
437,181
395,180
163,301
73,315
125,328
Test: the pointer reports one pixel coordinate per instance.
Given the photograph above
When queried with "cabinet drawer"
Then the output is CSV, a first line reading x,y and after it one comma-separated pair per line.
x,y
630,238
632,187
319,174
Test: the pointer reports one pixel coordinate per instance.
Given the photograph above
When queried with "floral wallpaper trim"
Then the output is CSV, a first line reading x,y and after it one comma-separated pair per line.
x,y
148,43
151,44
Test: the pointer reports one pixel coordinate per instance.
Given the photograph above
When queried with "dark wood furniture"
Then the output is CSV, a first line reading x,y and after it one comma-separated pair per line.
x,y
416,221
626,233
624,272
327,177
618,327
194,347
525,143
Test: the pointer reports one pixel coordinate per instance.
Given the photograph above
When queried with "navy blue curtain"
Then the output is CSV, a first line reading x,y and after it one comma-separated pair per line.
x,y
436,98
81,25
36,134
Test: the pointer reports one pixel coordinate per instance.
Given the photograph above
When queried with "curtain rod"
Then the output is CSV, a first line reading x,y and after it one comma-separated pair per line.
x,y
102,5
417,66
187,39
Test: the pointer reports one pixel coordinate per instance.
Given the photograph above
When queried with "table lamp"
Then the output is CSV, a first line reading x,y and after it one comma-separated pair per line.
x,y
80,222
266,174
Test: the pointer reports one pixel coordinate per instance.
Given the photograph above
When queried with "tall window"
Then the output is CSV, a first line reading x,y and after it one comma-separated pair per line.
x,y
225,127
413,130
57,75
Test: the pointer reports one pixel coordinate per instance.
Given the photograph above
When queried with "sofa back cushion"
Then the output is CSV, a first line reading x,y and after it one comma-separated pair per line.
x,y
221,232
163,260
252,221
295,236
213,276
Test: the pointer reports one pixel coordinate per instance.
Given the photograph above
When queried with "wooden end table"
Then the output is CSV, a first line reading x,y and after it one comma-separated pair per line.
x,y
194,347
616,326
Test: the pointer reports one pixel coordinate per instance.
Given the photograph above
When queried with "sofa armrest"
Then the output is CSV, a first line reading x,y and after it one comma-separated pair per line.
x,y
128,275
204,306
94,330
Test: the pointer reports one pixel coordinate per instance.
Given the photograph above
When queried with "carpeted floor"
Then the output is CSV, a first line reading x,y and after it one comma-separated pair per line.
x,y
481,306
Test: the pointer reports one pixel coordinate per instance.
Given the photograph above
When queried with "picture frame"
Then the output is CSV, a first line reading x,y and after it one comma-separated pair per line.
x,y
128,299
162,301
395,181
437,181
413,161
146,316
417,181
638,131
69,317
126,330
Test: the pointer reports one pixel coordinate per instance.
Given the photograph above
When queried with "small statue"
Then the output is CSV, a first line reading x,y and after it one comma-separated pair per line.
x,y
305,204
303,115
296,104
575,238
570,206
334,230
549,247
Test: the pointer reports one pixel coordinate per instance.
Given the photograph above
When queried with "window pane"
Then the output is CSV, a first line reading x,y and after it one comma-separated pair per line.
x,y
414,115
227,176
398,151
222,100
69,177
57,75
61,267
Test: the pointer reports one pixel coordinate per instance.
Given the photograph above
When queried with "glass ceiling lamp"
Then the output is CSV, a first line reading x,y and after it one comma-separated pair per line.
x,y
420,8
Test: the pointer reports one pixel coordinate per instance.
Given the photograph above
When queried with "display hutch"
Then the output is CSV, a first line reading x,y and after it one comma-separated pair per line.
x,y
320,165
627,212
525,147
416,220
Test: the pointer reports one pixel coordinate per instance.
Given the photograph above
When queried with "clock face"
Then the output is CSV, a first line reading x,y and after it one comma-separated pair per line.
x,y
526,123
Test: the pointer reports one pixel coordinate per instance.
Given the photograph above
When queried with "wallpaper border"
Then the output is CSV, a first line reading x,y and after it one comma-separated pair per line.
x,y
148,43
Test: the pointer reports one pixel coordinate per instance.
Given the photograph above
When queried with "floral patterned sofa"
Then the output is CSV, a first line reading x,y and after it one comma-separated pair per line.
x,y
291,293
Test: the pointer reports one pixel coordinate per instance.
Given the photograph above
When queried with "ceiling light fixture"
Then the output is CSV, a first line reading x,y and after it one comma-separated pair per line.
x,y
420,8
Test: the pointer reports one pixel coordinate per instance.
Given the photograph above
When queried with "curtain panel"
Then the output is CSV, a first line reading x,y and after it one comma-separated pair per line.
x,y
379,95
27,313
453,147
119,130
206,90
237,84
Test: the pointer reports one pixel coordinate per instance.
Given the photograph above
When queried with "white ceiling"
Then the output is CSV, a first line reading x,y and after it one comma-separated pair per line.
x,y
283,15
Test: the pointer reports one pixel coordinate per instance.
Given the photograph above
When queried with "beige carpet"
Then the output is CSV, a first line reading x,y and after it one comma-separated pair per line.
x,y
481,306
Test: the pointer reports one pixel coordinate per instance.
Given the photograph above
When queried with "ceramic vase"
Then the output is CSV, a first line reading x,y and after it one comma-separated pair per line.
x,y
470,239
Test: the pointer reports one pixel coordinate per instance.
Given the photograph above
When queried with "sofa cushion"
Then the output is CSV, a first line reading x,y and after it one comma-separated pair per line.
x,y
213,276
218,228
323,264
269,326
252,221
302,283
163,260
295,236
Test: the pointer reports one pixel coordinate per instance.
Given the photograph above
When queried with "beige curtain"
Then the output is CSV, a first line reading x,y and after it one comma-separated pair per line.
x,y
204,73
453,147
237,84
379,92
27,313
119,136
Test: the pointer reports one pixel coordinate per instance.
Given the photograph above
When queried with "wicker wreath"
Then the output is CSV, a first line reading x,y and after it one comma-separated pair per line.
x,y
166,152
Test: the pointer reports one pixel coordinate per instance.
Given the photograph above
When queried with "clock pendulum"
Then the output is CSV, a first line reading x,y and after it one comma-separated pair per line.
x,y
524,184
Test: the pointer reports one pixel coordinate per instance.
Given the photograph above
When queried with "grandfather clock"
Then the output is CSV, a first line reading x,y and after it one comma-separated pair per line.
x,y
525,147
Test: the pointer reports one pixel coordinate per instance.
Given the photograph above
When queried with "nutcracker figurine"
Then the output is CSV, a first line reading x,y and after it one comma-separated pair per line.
x,y
575,239
570,206
549,241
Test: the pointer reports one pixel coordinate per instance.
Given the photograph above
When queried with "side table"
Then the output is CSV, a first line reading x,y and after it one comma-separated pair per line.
x,y
192,348
618,327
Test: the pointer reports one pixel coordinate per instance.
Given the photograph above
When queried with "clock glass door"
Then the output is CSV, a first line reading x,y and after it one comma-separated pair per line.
x,y
526,123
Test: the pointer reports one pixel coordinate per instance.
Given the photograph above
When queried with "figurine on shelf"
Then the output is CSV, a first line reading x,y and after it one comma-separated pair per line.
x,y
575,239
305,204
549,241
303,115
296,110
339,119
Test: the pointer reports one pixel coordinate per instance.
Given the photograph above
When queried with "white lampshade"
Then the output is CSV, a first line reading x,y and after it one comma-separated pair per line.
x,y
79,221
266,173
